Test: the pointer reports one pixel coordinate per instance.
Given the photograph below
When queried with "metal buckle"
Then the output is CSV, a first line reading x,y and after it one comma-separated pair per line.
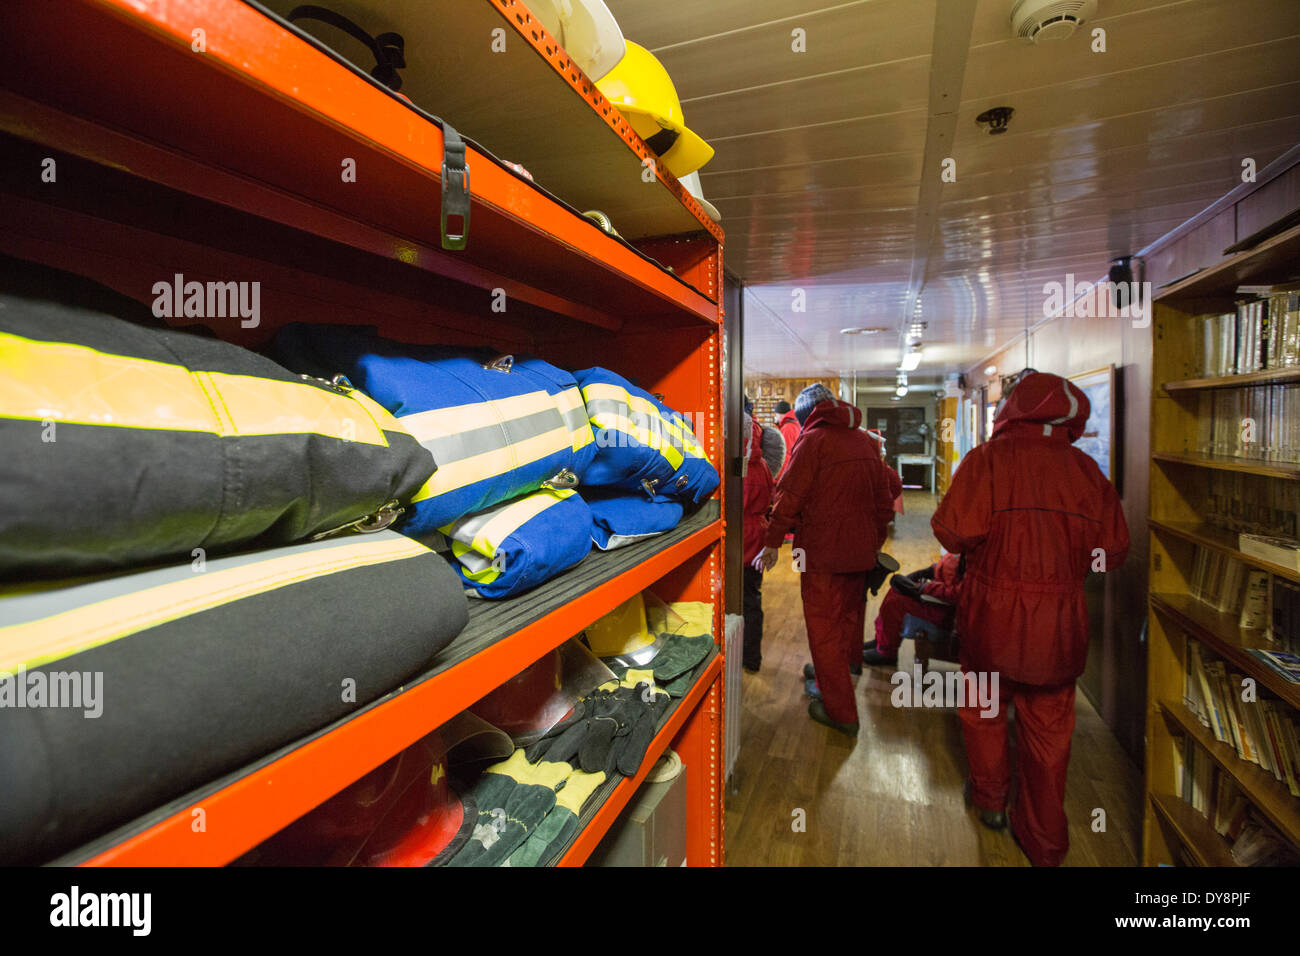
x,y
648,486
455,198
564,478
367,524
502,363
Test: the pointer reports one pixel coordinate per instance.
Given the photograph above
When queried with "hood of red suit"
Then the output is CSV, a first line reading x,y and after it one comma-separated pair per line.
x,y
1046,402
834,413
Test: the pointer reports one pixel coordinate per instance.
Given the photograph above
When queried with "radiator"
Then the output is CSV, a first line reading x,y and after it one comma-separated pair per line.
x,y
734,649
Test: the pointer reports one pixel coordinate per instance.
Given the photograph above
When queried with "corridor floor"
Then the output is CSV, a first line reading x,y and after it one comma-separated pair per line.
x,y
804,795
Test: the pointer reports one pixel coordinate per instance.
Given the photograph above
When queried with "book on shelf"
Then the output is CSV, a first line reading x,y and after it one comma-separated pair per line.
x,y
1285,631
1218,580
1260,729
1254,605
1257,422
1288,665
1195,694
1262,332
1283,551
1210,791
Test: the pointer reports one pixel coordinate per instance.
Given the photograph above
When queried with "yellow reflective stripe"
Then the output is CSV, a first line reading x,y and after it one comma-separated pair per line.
x,y
443,422
644,436
616,393
83,386
514,516
261,406
499,461
55,637
485,573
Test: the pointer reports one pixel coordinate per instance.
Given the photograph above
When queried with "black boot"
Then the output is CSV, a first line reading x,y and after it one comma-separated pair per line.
x,y
873,658
817,711
993,819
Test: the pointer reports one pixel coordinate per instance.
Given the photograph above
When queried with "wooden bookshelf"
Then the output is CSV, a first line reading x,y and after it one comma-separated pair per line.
x,y
1248,466
1272,799
1193,831
1267,376
1220,633
1217,539
1190,493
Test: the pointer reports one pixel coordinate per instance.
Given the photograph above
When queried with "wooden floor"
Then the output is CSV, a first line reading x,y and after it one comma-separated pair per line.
x,y
893,797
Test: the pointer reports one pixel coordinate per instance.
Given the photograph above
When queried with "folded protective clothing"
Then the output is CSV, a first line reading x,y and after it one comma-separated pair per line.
x,y
620,518
200,670
512,798
558,827
1032,514
127,446
834,492
642,444
499,426
511,547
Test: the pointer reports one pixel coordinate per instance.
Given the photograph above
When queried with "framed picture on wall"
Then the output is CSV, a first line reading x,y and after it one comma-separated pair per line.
x,y
1099,441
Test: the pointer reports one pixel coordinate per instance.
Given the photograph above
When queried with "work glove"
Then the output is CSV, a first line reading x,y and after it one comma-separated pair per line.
x,y
906,585
643,705
885,566
559,826
674,666
512,797
609,729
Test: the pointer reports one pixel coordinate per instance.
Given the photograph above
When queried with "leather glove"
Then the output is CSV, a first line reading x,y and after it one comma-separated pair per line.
x,y
512,797
906,585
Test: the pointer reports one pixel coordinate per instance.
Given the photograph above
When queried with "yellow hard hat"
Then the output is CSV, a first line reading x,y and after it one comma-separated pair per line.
x,y
644,93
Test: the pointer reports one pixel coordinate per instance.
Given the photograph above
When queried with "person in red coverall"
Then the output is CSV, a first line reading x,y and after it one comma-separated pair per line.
x,y
1033,515
788,423
930,594
833,491
758,498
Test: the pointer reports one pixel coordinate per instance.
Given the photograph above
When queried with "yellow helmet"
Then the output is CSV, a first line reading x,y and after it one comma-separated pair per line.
x,y
644,93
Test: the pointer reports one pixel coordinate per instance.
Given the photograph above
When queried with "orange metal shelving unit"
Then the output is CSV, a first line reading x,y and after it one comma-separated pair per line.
x,y
225,161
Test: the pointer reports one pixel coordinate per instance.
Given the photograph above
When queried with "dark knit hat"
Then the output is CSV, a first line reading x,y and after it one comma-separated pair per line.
x,y
809,398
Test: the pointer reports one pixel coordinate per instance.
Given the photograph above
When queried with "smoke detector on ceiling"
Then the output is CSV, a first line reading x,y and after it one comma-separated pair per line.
x,y
1050,19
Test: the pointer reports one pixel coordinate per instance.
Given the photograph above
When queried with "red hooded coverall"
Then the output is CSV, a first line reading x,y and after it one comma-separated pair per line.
x,y
789,428
834,492
1033,515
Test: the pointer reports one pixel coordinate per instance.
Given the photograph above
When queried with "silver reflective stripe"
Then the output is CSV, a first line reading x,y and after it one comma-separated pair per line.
x,y
467,528
59,597
577,417
466,444
620,540
656,425
1074,406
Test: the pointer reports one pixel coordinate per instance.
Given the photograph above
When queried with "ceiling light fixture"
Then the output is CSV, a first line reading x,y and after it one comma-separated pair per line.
x,y
995,119
873,330
912,360
991,370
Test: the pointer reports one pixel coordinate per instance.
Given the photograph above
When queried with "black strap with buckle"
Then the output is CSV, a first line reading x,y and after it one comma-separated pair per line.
x,y
455,190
